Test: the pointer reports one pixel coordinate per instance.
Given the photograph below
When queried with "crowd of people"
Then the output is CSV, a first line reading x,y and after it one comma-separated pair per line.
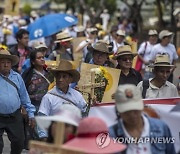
x,y
25,82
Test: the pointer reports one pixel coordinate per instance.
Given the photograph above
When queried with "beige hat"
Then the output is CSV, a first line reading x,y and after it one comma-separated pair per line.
x,y
63,37
164,33
101,46
22,22
124,50
6,54
38,45
121,32
79,28
128,97
34,14
66,66
93,29
162,60
152,32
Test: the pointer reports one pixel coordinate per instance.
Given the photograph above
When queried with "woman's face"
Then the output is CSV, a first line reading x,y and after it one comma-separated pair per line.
x,y
39,61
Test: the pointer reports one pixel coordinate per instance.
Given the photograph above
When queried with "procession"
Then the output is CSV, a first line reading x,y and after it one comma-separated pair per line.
x,y
86,77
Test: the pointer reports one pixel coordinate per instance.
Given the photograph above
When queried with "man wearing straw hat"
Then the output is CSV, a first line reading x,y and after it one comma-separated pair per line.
x,y
159,87
124,57
13,95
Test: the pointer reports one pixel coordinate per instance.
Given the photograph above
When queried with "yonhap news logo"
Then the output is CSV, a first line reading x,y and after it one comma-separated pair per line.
x,y
103,140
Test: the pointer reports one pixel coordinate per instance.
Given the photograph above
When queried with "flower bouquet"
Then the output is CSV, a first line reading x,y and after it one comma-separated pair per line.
x,y
101,77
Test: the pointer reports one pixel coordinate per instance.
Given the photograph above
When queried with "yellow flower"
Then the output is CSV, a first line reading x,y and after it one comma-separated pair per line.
x,y
3,47
104,71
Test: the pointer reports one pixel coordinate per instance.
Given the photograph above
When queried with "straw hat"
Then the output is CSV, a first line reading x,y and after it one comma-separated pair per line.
x,y
91,131
101,46
79,28
5,54
164,33
38,45
66,66
92,29
162,60
124,50
68,113
63,37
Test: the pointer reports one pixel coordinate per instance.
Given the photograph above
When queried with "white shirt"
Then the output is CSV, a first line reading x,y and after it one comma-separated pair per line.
x,y
116,45
168,90
51,104
140,148
159,49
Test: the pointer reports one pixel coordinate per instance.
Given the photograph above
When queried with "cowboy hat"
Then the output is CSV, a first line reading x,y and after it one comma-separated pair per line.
x,y
123,50
162,60
66,66
5,54
68,113
63,37
102,46
90,132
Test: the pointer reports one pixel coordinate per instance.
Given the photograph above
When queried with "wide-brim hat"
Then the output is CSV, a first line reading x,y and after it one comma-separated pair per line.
x,y
123,50
79,28
63,37
66,66
162,60
121,32
68,113
128,97
102,46
5,54
91,130
164,33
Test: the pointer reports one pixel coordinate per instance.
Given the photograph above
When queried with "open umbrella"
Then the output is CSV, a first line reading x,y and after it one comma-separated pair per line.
x,y
50,24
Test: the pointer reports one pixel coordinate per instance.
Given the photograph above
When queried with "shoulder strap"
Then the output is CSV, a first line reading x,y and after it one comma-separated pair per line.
x,y
145,85
63,98
10,82
145,47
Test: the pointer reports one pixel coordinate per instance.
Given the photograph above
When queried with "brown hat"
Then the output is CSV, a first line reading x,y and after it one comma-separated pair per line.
x,y
101,46
66,66
5,54
63,37
162,60
124,50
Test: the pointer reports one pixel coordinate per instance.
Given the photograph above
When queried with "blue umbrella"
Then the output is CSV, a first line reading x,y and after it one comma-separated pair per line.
x,y
50,24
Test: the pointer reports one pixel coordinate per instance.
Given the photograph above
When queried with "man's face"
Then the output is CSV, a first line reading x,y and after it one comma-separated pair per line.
x,y
99,57
5,66
119,38
24,40
162,73
125,61
166,40
131,117
153,39
63,80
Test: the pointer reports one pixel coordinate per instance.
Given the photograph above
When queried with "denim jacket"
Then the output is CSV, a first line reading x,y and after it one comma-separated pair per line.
x,y
157,129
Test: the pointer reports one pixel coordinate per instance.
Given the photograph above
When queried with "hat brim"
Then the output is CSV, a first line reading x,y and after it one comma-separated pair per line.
x,y
41,46
129,106
75,74
45,121
14,59
89,145
122,54
63,40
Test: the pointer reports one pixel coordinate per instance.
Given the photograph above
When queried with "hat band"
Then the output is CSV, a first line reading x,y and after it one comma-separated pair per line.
x,y
162,63
91,134
64,38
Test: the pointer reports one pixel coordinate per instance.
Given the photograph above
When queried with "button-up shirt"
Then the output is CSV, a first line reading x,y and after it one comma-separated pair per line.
x,y
11,99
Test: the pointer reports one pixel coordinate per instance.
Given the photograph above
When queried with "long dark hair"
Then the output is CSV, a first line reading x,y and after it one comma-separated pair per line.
x,y
27,75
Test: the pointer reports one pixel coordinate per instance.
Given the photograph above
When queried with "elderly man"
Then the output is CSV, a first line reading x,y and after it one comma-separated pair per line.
x,y
13,95
124,57
62,92
100,54
142,134
159,87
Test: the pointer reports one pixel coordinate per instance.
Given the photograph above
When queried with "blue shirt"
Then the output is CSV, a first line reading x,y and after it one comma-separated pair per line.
x,y
10,100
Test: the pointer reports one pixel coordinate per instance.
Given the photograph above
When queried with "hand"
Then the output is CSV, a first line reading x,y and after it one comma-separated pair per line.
x,y
32,122
113,96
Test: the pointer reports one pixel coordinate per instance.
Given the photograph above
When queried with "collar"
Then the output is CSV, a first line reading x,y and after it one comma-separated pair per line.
x,y
60,92
154,87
